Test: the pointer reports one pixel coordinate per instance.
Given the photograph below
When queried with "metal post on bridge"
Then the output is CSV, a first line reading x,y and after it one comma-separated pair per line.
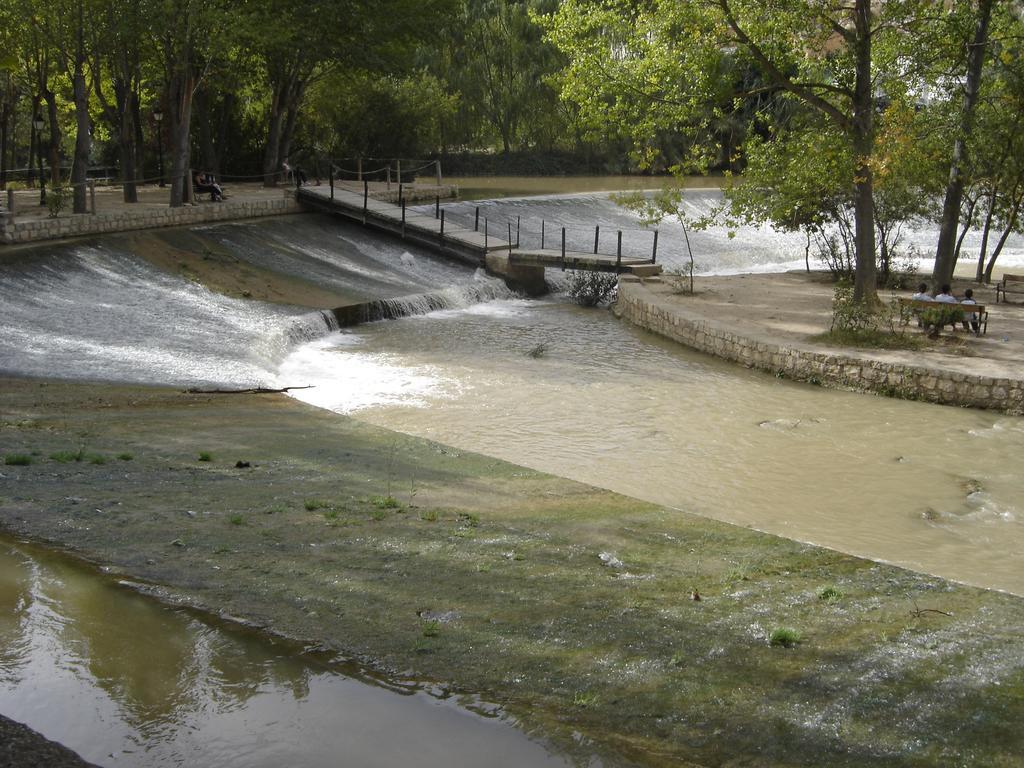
x,y
654,250
442,227
401,193
403,218
476,220
597,236
366,198
518,222
437,206
399,163
563,249
510,239
485,236
359,169
542,234
618,253
331,180
389,178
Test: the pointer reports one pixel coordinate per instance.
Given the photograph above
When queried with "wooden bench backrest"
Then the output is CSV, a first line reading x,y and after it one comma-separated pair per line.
x,y
969,309
1013,279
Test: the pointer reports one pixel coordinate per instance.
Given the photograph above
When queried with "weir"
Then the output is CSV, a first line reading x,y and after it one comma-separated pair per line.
x,y
521,268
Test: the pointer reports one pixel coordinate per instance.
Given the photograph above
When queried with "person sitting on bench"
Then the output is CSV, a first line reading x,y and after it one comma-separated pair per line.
x,y
204,183
972,324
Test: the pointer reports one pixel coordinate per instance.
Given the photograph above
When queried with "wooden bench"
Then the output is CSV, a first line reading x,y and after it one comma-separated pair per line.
x,y
1009,284
975,312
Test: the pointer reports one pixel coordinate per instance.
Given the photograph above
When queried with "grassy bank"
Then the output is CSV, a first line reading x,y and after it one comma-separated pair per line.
x,y
573,607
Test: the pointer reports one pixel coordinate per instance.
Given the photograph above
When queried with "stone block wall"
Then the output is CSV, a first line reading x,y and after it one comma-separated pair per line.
x,y
640,307
78,225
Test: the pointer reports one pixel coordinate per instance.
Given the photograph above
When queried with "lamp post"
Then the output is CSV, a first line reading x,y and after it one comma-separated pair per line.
x,y
158,115
37,123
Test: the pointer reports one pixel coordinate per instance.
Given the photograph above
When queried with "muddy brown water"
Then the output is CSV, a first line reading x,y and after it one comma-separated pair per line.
x,y
126,681
579,394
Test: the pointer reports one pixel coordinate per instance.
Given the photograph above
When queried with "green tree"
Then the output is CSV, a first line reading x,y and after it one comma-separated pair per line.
x,y
666,65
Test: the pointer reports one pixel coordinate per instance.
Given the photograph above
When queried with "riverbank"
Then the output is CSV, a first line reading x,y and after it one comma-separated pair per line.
x,y
574,608
32,223
773,323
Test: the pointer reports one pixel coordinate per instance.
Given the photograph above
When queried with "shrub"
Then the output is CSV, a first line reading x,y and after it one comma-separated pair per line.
x,y
590,289
17,460
56,200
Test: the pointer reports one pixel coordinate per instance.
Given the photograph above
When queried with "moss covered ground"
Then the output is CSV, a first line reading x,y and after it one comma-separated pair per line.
x,y
608,625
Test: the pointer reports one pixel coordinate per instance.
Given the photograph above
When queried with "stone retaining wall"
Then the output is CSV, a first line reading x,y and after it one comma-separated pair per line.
x,y
637,305
77,225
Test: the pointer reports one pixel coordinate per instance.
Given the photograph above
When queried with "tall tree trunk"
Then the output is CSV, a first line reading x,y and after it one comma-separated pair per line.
x,y
83,142
944,263
126,141
179,102
1010,224
5,122
272,158
865,287
985,231
54,148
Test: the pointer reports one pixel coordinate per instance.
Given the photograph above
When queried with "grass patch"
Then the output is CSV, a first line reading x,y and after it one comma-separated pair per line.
x,y
432,629
125,456
17,460
205,456
97,458
65,457
871,338
312,505
783,637
830,594
385,502
236,519
331,514
429,515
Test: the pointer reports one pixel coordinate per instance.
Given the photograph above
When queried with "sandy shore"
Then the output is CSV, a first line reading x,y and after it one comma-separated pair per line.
x,y
795,307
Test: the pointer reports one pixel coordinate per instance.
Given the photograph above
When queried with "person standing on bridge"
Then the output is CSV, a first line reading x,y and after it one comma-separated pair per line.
x,y
295,172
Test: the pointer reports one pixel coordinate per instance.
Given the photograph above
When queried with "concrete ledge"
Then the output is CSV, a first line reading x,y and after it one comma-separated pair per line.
x,y
638,305
77,225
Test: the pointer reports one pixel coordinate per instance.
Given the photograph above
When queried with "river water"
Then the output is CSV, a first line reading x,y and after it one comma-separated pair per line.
x,y
126,681
541,383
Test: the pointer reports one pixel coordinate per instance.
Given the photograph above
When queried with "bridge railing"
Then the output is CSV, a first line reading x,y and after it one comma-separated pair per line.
x,y
621,243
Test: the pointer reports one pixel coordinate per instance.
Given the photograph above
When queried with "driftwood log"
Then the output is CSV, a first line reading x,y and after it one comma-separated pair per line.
x,y
250,391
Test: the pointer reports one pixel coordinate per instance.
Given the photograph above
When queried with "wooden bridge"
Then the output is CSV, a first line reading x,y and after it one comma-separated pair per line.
x,y
493,246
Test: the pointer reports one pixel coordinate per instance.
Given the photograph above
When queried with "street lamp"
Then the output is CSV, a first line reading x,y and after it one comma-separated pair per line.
x,y
37,123
158,115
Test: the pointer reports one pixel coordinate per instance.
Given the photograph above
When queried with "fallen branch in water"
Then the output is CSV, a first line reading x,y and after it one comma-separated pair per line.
x,y
251,391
